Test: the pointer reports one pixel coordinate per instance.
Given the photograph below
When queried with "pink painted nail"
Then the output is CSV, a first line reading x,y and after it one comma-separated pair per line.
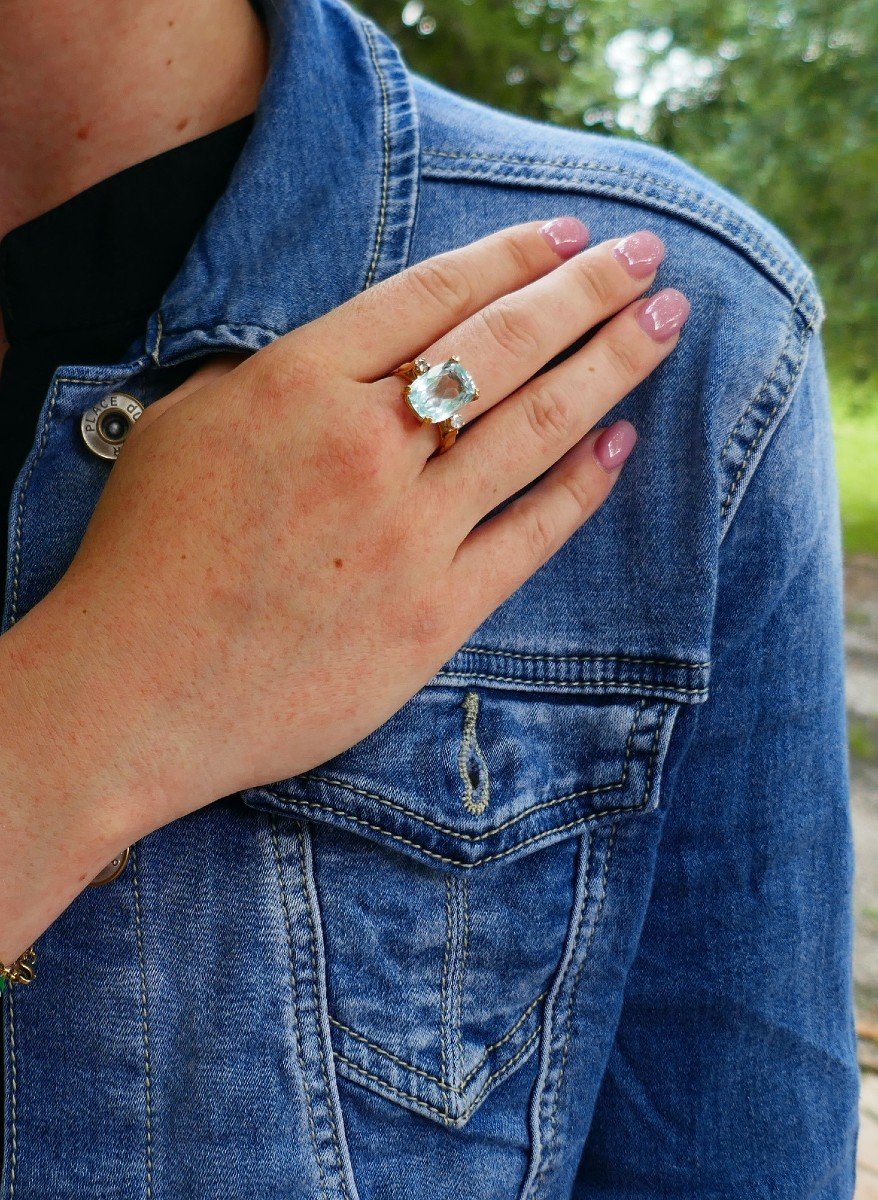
x,y
663,314
565,235
640,253
615,444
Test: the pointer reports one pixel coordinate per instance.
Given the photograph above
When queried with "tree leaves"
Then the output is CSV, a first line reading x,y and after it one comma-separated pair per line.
x,y
776,99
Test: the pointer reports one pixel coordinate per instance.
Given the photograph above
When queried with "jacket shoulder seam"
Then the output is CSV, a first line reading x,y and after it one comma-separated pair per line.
x,y
647,188
754,428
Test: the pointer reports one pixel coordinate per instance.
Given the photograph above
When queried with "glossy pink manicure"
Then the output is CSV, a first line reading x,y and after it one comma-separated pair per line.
x,y
565,235
640,253
615,444
663,314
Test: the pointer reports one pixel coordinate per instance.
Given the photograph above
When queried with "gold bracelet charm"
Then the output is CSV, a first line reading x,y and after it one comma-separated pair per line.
x,y
21,971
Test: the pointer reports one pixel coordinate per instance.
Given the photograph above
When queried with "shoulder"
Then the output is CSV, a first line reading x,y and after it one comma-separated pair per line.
x,y
463,141
756,304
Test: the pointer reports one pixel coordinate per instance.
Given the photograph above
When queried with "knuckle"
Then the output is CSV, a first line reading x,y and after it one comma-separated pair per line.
x,y
597,286
344,457
541,534
518,255
549,413
443,283
580,491
624,358
512,328
282,371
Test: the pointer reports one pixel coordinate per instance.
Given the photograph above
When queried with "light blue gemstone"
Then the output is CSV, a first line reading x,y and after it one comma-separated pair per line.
x,y
442,391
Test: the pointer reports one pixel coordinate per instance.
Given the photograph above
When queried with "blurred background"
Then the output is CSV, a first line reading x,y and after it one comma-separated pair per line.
x,y
778,101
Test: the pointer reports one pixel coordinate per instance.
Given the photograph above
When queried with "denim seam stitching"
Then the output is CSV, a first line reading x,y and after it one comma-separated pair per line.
x,y
765,425
13,1099
19,519
596,684
453,972
443,985
144,1011
574,989
303,867
333,781
385,140
464,951
765,385
44,438
761,246
471,1074
606,812
294,988
581,902
583,658
159,334
445,1114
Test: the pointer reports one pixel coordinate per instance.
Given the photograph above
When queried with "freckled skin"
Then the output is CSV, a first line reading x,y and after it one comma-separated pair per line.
x,y
244,660
90,87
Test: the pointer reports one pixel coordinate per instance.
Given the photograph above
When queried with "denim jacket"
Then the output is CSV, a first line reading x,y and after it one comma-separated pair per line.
x,y
576,920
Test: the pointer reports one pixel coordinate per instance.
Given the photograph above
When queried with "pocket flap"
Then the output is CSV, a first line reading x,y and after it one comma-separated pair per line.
x,y
472,770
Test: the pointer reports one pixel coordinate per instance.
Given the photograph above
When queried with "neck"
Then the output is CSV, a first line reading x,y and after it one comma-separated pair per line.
x,y
88,87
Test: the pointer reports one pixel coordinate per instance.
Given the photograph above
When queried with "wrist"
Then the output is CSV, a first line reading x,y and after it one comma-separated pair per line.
x,y
73,788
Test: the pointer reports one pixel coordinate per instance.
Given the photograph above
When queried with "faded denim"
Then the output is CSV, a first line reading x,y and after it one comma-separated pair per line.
x,y
576,921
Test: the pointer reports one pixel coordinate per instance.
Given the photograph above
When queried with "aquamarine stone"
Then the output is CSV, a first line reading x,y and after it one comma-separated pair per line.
x,y
442,391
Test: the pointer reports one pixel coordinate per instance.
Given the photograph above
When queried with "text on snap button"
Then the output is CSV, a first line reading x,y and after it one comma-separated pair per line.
x,y
106,425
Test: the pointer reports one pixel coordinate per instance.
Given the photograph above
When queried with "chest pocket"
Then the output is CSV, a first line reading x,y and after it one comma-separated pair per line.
x,y
445,848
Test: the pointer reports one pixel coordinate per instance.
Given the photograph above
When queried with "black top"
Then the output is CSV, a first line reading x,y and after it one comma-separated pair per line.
x,y
78,283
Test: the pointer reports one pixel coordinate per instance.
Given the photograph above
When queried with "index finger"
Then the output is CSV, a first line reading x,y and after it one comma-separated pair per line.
x,y
379,329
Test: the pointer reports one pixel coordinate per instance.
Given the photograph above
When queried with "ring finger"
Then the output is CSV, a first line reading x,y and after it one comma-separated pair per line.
x,y
511,446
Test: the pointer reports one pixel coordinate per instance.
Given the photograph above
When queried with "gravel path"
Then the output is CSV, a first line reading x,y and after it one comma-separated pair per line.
x,y
861,642
861,645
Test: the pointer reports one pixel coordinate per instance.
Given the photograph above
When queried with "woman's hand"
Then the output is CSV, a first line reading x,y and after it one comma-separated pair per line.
x,y
283,557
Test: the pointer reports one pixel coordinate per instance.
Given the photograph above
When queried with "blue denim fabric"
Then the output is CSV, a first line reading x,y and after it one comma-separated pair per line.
x,y
576,921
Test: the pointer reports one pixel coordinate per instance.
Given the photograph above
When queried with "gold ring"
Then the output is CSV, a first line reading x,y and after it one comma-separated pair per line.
x,y
437,394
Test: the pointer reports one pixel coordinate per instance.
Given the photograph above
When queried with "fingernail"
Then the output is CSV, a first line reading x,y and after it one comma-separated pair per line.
x,y
640,253
565,235
615,444
663,314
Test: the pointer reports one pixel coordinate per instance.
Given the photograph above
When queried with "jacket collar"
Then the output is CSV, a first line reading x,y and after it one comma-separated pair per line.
x,y
322,201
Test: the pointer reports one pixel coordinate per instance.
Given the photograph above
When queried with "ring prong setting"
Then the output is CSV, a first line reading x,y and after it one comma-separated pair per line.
x,y
437,394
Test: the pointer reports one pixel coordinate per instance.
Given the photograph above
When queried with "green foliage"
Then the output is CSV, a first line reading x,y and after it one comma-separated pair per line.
x,y
863,747
855,425
509,53
776,99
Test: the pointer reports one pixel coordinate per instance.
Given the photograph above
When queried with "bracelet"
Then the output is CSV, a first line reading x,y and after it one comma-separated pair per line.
x,y
21,971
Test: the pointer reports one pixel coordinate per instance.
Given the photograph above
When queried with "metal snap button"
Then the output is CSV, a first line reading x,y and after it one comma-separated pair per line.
x,y
107,424
113,869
